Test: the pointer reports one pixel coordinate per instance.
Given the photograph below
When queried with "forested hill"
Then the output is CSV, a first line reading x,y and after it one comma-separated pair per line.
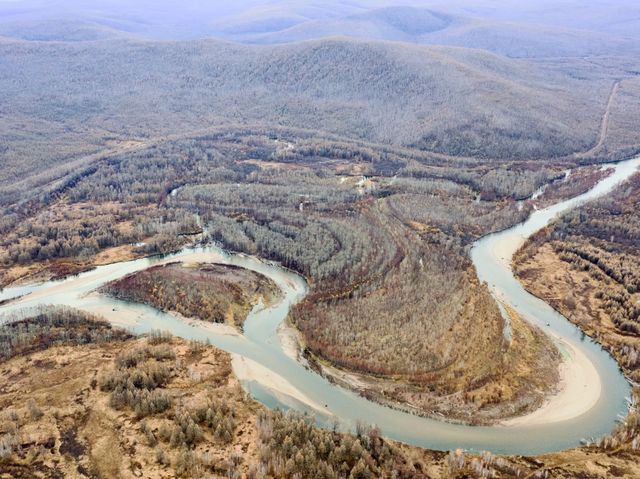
x,y
544,28
61,99
439,27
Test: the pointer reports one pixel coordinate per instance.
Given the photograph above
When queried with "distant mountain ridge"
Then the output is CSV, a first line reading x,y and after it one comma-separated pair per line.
x,y
428,27
60,31
506,27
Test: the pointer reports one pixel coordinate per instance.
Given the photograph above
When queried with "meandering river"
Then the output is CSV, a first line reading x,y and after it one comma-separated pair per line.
x,y
491,255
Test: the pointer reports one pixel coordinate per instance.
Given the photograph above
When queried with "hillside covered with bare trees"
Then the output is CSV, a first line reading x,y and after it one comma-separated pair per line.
x,y
381,236
442,100
363,145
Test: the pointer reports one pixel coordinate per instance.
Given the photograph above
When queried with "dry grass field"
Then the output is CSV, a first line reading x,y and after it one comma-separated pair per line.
x,y
105,405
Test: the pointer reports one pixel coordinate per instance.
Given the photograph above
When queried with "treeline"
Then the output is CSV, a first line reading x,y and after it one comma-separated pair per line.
x,y
81,230
575,182
601,240
501,181
411,298
292,446
137,380
41,328
612,221
619,303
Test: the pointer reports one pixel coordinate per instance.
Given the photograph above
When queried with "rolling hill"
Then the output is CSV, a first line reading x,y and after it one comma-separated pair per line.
x,y
60,30
61,99
437,27
516,29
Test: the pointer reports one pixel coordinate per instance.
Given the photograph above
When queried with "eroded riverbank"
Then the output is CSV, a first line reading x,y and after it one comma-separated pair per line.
x,y
261,344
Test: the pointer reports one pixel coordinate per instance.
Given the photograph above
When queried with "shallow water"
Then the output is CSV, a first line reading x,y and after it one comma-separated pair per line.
x,y
260,341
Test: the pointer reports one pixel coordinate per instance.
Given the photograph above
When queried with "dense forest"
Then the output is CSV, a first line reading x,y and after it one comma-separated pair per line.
x,y
126,198
450,102
41,328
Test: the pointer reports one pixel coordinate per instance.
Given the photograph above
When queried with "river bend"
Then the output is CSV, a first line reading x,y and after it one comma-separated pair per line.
x,y
260,342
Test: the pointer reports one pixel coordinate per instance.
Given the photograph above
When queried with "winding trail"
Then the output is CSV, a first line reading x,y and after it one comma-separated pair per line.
x,y
604,124
276,379
604,127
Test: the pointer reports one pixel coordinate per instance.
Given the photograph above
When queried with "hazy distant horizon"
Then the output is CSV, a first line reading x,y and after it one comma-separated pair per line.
x,y
276,21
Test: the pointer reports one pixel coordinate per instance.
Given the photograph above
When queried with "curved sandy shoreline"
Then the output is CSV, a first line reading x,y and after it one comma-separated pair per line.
x,y
579,388
578,391
586,371
247,369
